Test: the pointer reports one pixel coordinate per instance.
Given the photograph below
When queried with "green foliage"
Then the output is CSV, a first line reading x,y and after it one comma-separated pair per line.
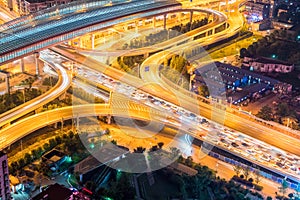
x,y
283,187
139,150
17,98
265,113
279,43
203,90
50,81
120,189
237,169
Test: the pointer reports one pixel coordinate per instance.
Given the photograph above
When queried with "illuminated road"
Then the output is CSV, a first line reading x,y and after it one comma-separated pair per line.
x,y
21,128
62,85
156,87
129,109
219,19
36,32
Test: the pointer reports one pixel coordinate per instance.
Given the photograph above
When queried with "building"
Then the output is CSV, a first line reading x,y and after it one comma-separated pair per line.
x,y
257,11
4,178
7,4
30,6
55,192
262,25
90,167
238,84
287,10
267,65
54,159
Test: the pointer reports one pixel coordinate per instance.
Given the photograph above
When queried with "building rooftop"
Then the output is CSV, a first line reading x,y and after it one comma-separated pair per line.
x,y
271,61
104,155
54,192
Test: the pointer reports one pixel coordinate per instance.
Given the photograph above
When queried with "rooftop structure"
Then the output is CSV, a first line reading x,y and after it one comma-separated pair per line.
x,y
267,65
239,84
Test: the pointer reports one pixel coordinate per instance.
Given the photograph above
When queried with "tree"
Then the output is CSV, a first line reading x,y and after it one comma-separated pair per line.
x,y
35,154
257,176
52,143
246,172
114,142
265,113
189,161
203,90
40,151
174,152
160,144
58,139
237,169
71,134
269,198
30,81
283,187
21,162
244,53
46,146
283,110
27,158
139,150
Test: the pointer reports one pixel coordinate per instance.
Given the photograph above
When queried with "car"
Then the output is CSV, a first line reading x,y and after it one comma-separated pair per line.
x,y
245,144
234,144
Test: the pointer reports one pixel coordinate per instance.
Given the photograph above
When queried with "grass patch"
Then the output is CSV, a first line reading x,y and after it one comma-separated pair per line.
x,y
234,48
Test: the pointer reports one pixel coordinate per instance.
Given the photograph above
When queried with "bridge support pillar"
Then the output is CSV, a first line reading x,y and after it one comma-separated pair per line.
x,y
136,26
191,17
22,66
165,21
55,125
93,41
108,119
154,22
146,55
178,16
37,70
80,43
7,83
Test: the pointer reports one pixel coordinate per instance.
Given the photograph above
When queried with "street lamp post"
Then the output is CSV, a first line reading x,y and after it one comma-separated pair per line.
x,y
217,165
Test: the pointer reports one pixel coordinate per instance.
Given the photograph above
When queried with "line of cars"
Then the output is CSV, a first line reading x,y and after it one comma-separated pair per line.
x,y
234,141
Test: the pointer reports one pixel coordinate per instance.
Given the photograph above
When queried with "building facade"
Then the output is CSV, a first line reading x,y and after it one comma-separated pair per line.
x,y
4,178
30,6
267,65
256,11
287,11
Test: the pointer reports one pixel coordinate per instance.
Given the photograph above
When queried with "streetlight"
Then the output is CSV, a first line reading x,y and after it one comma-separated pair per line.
x,y
217,165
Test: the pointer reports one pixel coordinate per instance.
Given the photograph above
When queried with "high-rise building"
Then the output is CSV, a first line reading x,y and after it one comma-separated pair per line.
x,y
257,10
4,178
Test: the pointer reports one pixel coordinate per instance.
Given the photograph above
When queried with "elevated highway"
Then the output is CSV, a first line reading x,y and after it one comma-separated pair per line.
x,y
22,128
34,33
158,88
219,20
64,81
